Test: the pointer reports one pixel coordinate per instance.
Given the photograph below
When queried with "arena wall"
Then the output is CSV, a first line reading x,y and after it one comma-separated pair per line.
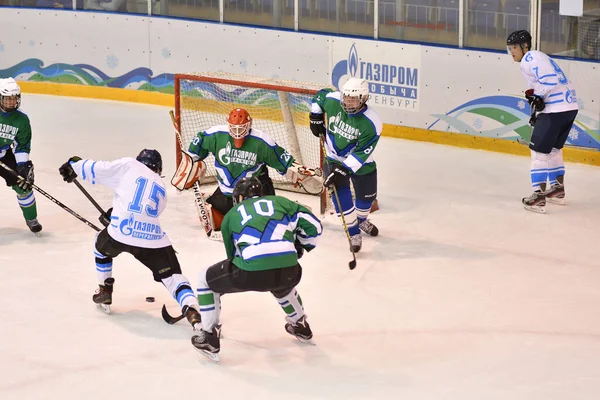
x,y
437,94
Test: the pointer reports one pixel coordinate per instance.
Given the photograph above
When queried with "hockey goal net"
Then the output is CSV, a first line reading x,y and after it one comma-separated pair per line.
x,y
278,107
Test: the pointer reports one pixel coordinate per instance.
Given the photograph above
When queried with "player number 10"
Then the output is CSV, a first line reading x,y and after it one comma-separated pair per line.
x,y
262,207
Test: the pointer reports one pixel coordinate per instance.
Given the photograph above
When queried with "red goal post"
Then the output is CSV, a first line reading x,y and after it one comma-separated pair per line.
x,y
278,107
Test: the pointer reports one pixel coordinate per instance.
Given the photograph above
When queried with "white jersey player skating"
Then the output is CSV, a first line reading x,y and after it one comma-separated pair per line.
x,y
554,107
134,227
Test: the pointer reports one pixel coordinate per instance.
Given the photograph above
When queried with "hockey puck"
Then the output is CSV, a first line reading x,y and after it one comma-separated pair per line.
x,y
150,299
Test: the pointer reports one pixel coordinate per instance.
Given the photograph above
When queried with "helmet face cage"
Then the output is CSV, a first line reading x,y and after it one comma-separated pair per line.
x,y
240,122
246,188
355,94
10,95
151,159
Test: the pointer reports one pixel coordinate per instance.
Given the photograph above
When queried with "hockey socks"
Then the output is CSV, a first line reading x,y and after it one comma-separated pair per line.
x,y
292,306
27,203
348,208
210,303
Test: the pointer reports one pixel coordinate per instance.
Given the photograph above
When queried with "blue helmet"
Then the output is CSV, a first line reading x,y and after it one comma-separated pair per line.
x,y
151,159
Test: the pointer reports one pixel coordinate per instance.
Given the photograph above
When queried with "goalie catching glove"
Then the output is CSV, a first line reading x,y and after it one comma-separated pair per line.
x,y
188,172
310,180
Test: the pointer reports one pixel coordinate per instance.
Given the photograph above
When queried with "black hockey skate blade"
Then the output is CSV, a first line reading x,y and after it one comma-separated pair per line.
x,y
150,299
214,357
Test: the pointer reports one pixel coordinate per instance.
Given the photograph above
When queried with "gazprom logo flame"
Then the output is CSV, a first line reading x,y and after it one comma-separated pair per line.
x,y
352,61
126,225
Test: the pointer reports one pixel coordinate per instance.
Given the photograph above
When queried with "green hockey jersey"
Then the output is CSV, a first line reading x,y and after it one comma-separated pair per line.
x,y
15,132
233,164
350,140
259,232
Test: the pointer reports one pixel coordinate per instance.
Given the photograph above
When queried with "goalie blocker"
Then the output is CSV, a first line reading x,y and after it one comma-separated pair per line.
x,y
188,172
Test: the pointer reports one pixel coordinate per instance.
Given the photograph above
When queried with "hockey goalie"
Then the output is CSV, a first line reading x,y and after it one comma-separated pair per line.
x,y
240,151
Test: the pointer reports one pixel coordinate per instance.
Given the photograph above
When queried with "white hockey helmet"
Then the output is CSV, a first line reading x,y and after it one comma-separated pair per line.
x,y
10,95
355,94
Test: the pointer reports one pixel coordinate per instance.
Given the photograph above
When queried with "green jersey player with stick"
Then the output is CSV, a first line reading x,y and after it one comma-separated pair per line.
x,y
15,145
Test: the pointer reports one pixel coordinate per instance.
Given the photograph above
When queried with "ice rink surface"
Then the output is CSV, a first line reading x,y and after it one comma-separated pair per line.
x,y
464,295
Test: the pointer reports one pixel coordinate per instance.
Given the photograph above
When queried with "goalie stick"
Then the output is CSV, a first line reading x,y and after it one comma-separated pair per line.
x,y
351,264
201,208
50,197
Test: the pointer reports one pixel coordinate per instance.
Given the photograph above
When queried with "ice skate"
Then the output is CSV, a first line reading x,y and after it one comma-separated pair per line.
x,y
193,317
556,194
355,243
367,227
208,343
536,202
301,330
103,295
34,226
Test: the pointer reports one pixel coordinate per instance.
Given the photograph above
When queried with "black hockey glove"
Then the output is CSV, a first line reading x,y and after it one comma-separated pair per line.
x,y
536,101
317,124
105,218
337,177
299,248
66,171
25,169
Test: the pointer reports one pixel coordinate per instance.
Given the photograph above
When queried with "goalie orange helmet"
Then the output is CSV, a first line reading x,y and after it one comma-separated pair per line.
x,y
240,123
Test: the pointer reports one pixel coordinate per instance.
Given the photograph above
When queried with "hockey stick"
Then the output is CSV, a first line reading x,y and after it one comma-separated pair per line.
x,y
168,318
199,200
91,199
351,264
532,118
49,197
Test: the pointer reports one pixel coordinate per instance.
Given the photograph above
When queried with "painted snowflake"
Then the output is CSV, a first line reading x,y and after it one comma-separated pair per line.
x,y
112,61
521,104
1,47
478,123
166,53
573,134
243,64
580,103
32,42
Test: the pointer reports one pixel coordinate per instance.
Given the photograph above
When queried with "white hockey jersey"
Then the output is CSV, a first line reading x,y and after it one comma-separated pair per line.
x,y
549,82
139,199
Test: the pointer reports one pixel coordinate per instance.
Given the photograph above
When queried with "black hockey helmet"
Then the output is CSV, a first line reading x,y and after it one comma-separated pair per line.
x,y
151,159
246,187
519,37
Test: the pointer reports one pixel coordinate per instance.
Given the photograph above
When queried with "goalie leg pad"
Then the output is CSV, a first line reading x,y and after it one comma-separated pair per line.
x,y
217,219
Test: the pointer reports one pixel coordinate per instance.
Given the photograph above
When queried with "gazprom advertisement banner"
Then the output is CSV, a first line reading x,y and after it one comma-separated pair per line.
x,y
393,76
